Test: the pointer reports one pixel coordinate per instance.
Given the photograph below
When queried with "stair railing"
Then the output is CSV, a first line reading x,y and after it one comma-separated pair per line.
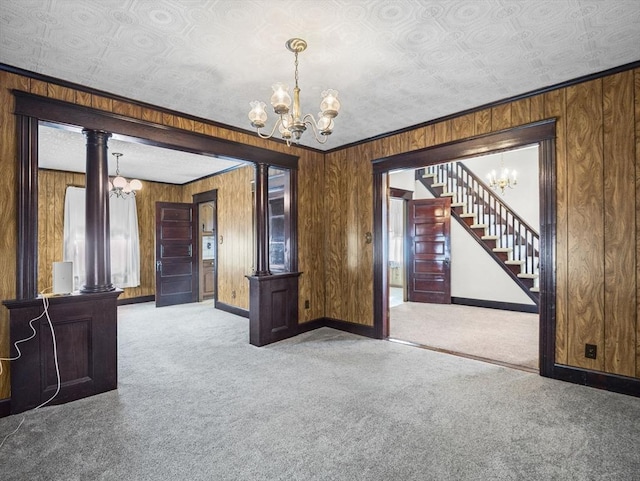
x,y
474,196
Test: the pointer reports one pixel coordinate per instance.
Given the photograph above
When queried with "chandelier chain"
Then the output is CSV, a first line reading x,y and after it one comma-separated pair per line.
x,y
295,63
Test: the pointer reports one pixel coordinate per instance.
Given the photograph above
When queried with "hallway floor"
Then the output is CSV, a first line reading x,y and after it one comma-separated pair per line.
x,y
504,337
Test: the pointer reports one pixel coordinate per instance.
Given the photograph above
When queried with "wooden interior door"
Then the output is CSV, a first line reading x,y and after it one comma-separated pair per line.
x,y
429,250
176,254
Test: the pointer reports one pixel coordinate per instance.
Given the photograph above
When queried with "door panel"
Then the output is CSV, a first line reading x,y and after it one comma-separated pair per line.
x,y
428,255
176,254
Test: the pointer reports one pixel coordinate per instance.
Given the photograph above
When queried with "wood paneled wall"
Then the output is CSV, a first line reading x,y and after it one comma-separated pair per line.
x,y
598,203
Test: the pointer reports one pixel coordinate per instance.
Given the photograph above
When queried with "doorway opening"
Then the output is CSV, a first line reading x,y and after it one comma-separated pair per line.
x,y
540,134
459,282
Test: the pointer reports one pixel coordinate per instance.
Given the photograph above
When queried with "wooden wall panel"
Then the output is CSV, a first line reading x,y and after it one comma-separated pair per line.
x,y
537,108
463,127
521,112
235,226
362,311
8,217
637,236
555,106
311,235
585,223
482,121
501,117
443,132
619,214
336,173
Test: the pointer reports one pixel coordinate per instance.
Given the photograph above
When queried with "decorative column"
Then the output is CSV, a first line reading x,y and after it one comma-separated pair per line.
x,y
97,237
262,217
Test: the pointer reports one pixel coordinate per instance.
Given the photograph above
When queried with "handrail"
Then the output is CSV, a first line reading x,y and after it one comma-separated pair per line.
x,y
511,230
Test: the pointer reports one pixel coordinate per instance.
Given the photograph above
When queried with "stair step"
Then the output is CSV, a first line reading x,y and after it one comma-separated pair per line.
x,y
514,263
457,204
478,226
502,249
535,289
448,194
426,176
438,184
468,214
489,237
528,276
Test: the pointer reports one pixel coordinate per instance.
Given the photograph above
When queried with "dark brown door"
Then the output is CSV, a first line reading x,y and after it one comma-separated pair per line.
x,y
428,255
176,254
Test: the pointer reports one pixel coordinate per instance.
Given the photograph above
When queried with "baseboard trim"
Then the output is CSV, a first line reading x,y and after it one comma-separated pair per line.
x,y
359,329
504,306
5,407
238,311
596,379
136,300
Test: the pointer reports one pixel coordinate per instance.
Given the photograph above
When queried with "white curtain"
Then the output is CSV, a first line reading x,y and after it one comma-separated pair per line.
x,y
125,242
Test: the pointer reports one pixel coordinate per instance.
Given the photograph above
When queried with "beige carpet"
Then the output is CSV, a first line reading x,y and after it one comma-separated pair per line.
x,y
503,336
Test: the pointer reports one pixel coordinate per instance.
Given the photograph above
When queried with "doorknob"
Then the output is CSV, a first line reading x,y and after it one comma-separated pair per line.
x,y
159,266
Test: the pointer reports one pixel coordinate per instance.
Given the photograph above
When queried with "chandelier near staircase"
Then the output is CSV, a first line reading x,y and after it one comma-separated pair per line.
x,y
291,123
121,187
507,178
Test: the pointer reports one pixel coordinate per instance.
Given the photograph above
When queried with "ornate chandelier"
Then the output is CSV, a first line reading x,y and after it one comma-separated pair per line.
x,y
508,178
291,123
119,186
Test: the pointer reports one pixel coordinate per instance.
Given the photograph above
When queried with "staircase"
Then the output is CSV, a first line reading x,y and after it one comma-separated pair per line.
x,y
505,236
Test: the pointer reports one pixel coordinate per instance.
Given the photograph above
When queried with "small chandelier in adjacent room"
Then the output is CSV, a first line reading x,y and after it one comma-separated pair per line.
x,y
508,178
291,123
119,186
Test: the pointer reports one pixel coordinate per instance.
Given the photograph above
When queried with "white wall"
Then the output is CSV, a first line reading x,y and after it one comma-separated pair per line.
x,y
474,274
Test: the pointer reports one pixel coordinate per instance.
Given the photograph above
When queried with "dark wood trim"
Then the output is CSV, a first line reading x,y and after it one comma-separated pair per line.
x,y
503,306
547,259
27,255
311,325
541,133
144,105
208,196
359,329
136,300
400,193
52,110
499,141
380,256
238,311
5,407
596,379
293,220
526,95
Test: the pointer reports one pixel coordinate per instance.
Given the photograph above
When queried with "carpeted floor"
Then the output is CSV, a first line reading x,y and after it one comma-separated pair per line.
x,y
504,336
197,402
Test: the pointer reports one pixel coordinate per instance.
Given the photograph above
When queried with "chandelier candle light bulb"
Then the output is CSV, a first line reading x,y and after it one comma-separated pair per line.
x,y
119,186
291,123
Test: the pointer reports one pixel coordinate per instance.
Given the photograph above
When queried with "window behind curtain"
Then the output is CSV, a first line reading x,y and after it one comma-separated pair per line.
x,y
125,243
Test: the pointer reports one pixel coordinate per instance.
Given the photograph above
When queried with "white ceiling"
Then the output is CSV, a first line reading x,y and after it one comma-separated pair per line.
x,y
396,63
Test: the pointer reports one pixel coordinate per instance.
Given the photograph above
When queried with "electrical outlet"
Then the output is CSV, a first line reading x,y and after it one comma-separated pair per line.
x,y
590,351
307,305
233,294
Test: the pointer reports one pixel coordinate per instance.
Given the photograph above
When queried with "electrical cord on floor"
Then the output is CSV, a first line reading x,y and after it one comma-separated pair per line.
x,y
45,312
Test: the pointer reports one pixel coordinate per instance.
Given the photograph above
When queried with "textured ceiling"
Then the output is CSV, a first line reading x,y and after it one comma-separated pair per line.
x,y
395,63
